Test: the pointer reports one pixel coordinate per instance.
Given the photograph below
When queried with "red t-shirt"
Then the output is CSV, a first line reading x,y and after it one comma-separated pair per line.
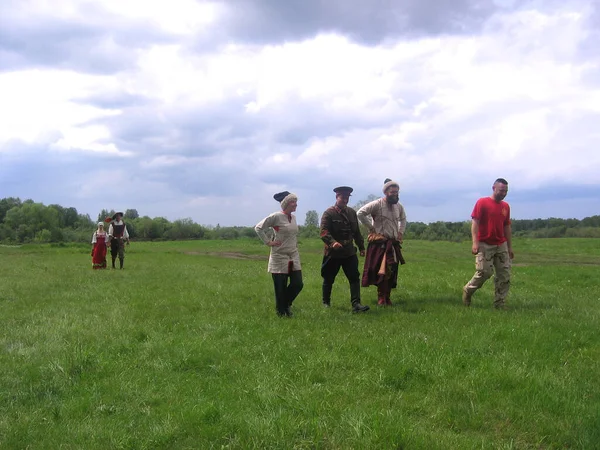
x,y
492,217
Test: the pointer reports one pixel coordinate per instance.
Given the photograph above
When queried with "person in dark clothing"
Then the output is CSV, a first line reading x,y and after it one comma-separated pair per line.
x,y
339,232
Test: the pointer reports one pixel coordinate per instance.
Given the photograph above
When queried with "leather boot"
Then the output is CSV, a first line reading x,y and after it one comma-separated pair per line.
x,y
357,307
381,295
388,302
121,263
327,288
114,258
355,298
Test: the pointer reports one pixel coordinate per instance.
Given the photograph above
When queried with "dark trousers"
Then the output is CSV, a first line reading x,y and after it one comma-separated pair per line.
x,y
287,288
330,269
117,248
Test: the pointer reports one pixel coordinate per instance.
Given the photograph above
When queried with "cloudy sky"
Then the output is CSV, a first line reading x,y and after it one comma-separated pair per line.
x,y
205,109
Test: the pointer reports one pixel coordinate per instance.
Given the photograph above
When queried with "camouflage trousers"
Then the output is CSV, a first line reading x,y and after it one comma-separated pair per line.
x,y
489,259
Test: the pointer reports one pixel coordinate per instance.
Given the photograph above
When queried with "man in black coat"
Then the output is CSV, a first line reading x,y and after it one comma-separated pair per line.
x,y
339,232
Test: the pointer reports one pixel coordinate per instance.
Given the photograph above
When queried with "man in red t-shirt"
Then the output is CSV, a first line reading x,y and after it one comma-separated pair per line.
x,y
491,234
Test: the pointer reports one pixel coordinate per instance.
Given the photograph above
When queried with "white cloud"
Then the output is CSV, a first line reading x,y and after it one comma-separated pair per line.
x,y
516,98
39,103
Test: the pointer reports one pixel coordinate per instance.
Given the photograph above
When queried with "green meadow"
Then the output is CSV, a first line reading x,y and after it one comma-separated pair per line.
x,y
182,350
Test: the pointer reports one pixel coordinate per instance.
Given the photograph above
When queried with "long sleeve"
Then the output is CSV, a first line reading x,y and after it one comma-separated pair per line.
x,y
110,230
358,238
262,227
94,239
402,222
365,214
125,233
325,232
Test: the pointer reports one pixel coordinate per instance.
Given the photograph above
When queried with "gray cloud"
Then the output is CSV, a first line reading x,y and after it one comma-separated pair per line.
x,y
365,21
98,42
153,129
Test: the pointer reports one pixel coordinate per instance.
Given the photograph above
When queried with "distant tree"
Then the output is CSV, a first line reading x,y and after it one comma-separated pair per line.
x,y
30,218
70,217
415,230
84,221
312,219
131,214
593,221
6,204
29,221
43,236
104,214
184,229
61,215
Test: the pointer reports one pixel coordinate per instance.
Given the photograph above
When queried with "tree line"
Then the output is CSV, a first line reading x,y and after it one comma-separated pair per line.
x,y
28,221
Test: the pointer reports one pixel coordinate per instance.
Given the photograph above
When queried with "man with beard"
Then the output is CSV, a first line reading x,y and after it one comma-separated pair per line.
x,y
339,232
385,219
491,235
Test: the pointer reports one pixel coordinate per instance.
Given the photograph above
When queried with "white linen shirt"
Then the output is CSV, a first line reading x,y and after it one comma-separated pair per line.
x,y
96,235
286,232
386,219
120,222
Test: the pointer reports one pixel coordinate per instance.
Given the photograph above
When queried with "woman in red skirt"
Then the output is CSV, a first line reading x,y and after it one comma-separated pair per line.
x,y
99,240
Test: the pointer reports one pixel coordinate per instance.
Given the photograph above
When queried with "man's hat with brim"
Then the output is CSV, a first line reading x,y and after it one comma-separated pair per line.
x,y
347,190
114,217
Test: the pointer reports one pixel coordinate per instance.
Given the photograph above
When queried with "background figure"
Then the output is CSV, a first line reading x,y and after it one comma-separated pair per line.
x,y
386,221
491,234
284,259
339,232
119,236
99,241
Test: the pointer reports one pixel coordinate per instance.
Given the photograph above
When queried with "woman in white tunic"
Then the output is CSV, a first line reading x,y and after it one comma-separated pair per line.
x,y
284,260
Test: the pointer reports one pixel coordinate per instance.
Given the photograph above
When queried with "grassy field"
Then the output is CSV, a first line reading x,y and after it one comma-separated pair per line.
x,y
183,350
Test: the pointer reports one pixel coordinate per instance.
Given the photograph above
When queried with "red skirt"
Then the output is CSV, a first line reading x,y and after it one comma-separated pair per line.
x,y
99,255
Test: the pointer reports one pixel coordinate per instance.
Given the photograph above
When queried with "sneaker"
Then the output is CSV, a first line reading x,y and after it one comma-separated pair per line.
x,y
466,297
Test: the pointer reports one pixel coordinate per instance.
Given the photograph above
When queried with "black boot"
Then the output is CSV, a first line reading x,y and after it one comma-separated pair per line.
x,y
114,258
357,307
121,263
355,298
293,289
327,288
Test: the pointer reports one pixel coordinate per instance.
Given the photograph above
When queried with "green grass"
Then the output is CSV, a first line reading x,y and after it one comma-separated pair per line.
x,y
183,350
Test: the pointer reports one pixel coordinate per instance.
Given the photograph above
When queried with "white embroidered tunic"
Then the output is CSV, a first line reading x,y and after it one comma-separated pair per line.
x,y
286,232
386,219
99,236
